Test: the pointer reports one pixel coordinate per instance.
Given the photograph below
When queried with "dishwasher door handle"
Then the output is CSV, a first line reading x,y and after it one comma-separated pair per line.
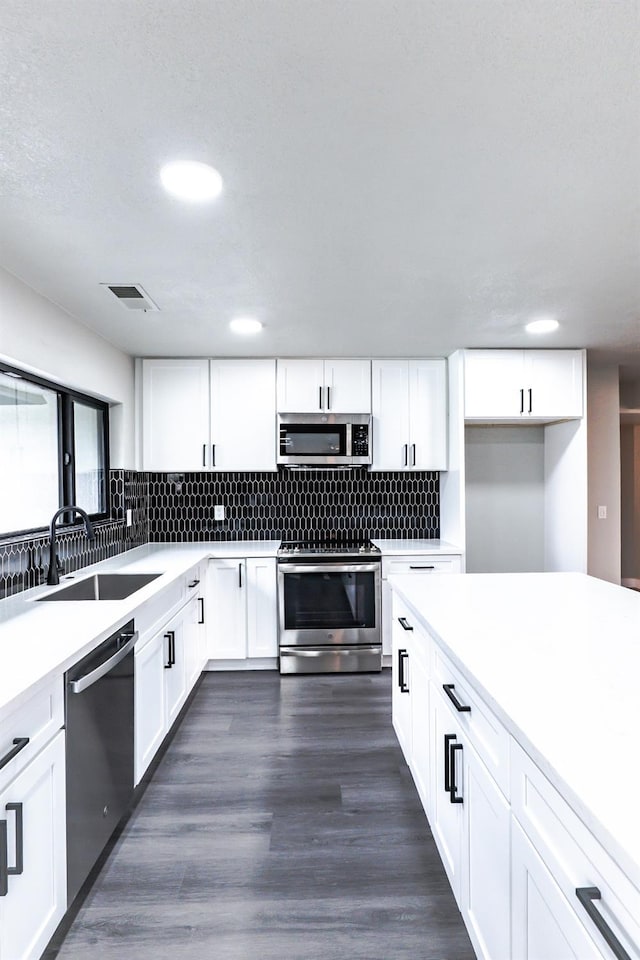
x,y
83,683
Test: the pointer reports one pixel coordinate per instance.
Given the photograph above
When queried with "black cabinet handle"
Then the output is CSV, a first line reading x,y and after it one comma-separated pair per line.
x,y
530,400
204,454
171,637
201,602
448,738
4,865
522,401
453,789
586,896
213,454
430,566
406,449
460,707
404,623
320,398
402,683
194,583
19,744
240,575
328,398
17,870
413,454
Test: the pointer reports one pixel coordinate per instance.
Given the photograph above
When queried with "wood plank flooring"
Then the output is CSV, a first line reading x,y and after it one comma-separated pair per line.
x,y
281,824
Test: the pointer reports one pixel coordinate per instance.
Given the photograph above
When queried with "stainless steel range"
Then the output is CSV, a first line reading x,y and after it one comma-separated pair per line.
x,y
329,607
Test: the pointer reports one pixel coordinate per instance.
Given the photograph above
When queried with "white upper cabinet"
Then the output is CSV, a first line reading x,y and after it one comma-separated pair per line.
x,y
175,414
516,385
324,386
243,422
409,414
208,415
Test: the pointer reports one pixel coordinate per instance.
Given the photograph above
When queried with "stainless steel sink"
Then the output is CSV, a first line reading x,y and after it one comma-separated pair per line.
x,y
103,586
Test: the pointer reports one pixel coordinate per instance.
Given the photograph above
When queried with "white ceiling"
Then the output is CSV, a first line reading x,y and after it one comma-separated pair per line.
x,y
401,176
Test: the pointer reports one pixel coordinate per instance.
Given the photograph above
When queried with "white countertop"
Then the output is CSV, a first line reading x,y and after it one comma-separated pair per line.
x,y
410,547
40,640
557,657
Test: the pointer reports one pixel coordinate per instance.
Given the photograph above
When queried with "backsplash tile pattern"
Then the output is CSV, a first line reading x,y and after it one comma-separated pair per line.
x,y
23,561
294,504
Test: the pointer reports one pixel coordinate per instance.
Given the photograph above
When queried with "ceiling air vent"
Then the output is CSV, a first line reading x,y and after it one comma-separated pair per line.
x,y
131,296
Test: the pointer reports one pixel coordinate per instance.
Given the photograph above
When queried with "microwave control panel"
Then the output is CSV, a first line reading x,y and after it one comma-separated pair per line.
x,y
360,440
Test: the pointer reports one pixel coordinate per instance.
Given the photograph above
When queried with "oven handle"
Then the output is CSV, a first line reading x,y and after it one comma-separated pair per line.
x,y
343,651
329,567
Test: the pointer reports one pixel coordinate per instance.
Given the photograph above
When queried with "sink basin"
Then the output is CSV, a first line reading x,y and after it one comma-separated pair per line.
x,y
103,586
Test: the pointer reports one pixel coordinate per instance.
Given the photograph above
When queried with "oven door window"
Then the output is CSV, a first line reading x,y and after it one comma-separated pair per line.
x,y
325,601
314,440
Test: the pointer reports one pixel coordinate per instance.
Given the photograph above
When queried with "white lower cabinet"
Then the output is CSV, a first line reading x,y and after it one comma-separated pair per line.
x,y
149,703
545,926
446,807
33,817
242,622
415,565
175,672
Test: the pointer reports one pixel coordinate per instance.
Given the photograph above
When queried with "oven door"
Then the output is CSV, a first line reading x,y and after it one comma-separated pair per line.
x,y
323,604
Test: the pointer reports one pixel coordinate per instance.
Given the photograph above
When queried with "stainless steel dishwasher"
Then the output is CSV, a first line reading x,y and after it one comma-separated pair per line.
x,y
99,750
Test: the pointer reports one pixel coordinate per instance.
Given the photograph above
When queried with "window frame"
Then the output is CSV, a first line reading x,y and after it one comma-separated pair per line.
x,y
66,445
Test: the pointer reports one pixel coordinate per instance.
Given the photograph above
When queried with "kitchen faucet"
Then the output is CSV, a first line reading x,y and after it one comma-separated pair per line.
x,y
54,568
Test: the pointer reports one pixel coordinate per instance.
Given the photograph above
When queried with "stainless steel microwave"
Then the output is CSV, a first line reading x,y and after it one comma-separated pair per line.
x,y
324,439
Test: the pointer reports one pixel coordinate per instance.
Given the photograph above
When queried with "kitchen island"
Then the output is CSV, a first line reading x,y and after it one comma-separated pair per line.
x,y
552,663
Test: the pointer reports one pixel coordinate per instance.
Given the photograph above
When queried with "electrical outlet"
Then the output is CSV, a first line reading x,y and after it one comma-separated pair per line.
x,y
602,513
218,512
129,516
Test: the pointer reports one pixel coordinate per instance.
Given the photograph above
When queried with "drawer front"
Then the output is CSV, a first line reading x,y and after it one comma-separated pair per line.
x,y
37,720
481,726
421,565
572,854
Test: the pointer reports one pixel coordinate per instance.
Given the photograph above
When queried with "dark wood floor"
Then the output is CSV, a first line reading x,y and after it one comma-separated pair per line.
x,y
281,824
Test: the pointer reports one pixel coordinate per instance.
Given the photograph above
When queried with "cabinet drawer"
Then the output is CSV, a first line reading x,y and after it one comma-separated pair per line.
x,y
573,855
36,719
423,565
482,727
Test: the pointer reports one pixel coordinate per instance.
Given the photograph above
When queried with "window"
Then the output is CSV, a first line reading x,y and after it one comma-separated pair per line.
x,y
54,451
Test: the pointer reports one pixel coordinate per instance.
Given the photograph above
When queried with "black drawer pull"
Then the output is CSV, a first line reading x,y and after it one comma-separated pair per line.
x,y
423,567
453,790
201,602
586,896
460,707
404,623
19,744
17,870
402,683
194,583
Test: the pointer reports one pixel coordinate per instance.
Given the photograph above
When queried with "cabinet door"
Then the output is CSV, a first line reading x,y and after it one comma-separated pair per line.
x,y
428,414
420,743
301,386
390,408
555,380
262,607
192,644
243,414
544,924
175,415
494,381
446,816
149,710
401,678
36,898
227,610
486,894
175,679
347,386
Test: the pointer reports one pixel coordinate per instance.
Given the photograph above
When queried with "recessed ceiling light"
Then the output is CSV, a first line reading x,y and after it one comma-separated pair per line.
x,y
544,325
191,180
245,325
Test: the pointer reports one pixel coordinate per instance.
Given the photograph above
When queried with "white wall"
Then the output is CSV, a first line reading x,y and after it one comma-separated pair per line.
x,y
603,416
504,498
37,335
